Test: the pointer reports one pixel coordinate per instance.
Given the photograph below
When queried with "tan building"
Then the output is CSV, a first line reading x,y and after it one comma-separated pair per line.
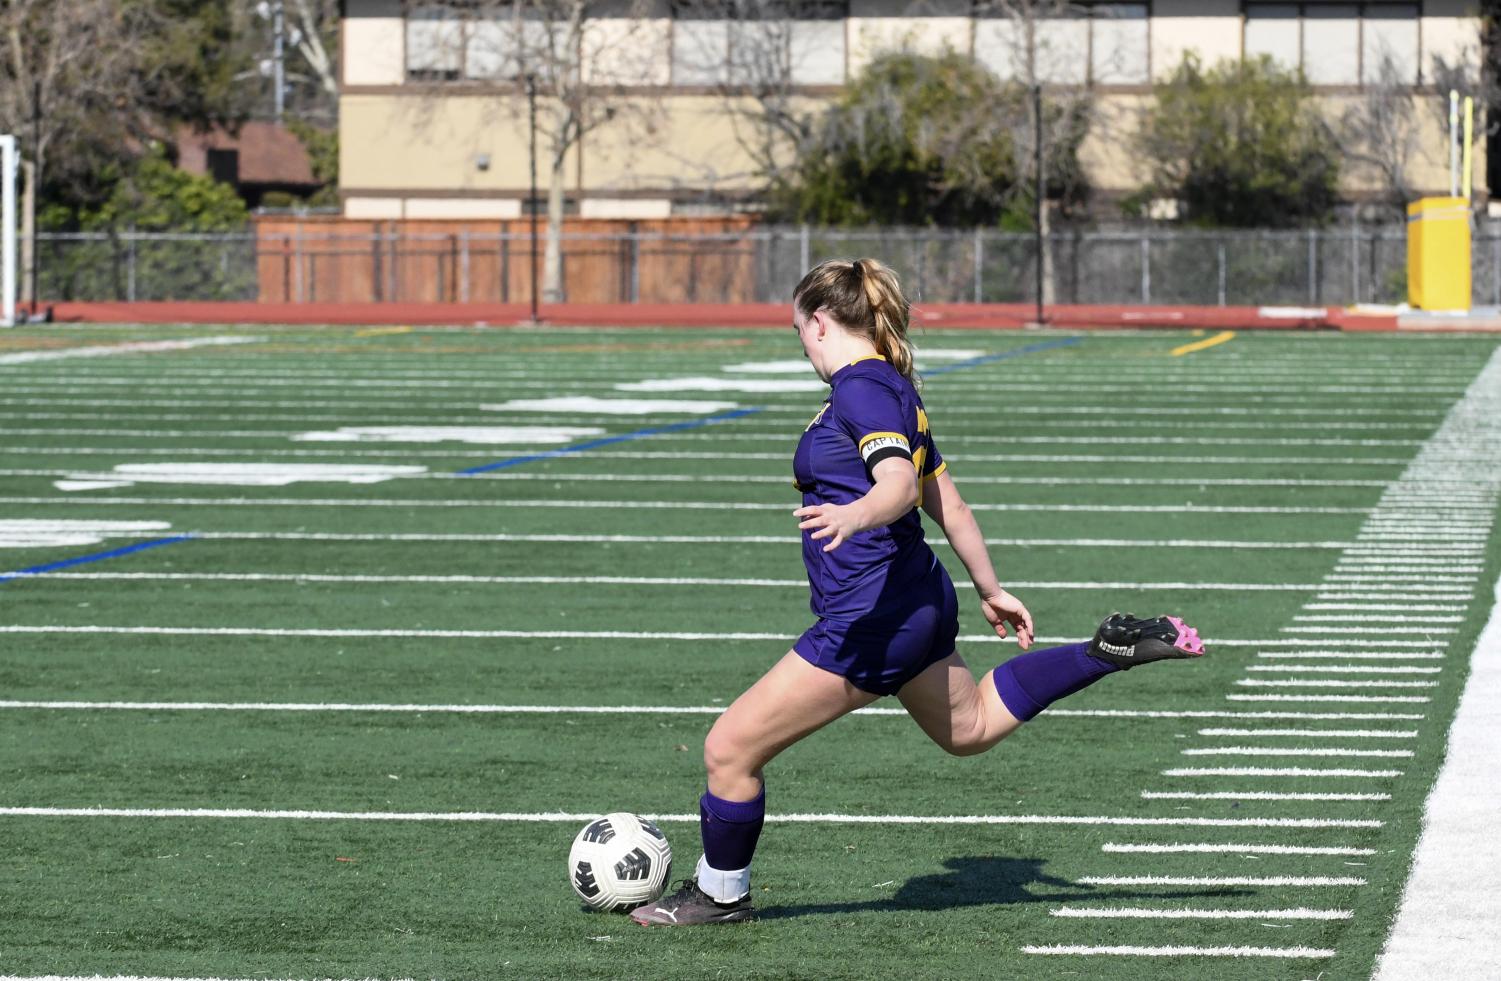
x,y
433,122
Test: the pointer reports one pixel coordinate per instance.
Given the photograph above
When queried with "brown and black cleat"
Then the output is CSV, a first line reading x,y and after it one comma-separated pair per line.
x,y
1126,641
691,906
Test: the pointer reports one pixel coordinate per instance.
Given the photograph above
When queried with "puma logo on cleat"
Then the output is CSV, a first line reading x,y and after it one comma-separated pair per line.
x,y
1118,650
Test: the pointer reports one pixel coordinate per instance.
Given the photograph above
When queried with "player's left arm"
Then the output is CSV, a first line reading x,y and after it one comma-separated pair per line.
x,y
893,494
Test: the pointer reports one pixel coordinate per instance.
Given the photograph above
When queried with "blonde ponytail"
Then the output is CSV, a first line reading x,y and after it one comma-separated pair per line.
x,y
866,298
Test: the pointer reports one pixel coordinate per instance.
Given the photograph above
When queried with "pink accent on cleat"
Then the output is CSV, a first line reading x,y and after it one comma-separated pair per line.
x,y
1188,638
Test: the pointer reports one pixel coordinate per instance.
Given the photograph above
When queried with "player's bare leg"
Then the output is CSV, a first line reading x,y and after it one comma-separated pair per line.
x,y
790,701
962,717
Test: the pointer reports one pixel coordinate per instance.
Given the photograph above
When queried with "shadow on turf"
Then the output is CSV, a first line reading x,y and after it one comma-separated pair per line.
x,y
987,881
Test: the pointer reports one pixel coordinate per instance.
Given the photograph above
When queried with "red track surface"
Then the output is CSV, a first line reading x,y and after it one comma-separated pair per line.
x,y
973,315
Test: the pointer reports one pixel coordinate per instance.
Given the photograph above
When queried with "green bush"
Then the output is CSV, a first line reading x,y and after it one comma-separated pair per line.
x,y
1240,145
920,140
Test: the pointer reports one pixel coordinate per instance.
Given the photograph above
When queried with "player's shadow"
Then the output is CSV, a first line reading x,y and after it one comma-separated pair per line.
x,y
985,881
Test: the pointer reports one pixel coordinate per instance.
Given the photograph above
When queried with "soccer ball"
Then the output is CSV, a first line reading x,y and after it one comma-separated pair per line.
x,y
619,862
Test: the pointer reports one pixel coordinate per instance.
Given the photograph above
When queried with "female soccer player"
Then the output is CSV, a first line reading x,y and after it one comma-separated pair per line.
x,y
887,613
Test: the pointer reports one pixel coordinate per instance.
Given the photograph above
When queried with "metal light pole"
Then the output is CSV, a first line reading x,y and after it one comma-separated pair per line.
x,y
1038,193
279,56
36,197
531,130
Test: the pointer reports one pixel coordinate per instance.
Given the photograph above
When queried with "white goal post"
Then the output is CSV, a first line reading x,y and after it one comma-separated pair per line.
x,y
9,166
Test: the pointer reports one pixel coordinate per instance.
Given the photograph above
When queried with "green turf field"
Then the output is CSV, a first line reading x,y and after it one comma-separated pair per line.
x,y
284,689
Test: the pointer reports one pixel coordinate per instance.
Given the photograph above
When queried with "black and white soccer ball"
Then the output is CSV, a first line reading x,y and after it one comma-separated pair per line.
x,y
619,861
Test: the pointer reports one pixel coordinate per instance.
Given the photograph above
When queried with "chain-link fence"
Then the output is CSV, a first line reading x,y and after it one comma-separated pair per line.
x,y
1332,266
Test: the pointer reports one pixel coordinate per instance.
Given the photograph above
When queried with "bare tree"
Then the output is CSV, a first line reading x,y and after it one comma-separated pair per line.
x,y
1044,46
1380,133
1468,74
310,31
584,60
74,87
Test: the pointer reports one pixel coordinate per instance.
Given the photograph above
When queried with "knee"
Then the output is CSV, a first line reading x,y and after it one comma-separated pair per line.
x,y
969,740
722,757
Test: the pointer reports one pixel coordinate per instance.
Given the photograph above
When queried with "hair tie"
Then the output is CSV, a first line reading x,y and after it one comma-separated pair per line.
x,y
859,269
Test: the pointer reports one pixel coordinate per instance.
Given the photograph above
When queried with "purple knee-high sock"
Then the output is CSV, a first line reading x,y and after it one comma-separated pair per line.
x,y
1029,683
730,829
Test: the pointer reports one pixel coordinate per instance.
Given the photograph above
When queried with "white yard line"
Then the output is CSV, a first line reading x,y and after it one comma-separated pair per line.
x,y
109,350
1179,913
1352,655
1330,683
1298,953
1353,699
1257,795
1403,754
1285,771
1232,848
1342,669
579,817
649,505
610,580
1227,880
1321,733
1446,924
484,709
180,631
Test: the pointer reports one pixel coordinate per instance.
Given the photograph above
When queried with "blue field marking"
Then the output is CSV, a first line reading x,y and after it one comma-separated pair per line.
x,y
1003,355
113,553
516,461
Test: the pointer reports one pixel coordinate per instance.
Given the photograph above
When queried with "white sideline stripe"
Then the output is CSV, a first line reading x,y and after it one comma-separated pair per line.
x,y
1445,924
1342,669
1256,795
1330,683
607,580
571,818
1227,880
135,347
1363,699
1329,733
1264,771
1401,754
356,502
70,705
1131,951
1211,848
1147,913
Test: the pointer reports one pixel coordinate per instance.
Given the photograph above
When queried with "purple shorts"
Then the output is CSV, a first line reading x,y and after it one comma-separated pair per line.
x,y
885,649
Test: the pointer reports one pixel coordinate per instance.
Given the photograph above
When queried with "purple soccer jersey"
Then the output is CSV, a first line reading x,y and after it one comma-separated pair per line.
x,y
873,413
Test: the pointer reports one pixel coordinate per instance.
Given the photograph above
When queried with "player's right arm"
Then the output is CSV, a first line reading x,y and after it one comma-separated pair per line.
x,y
942,502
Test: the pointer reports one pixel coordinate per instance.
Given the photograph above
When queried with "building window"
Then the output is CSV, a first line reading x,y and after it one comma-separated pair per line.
x,y
798,44
1337,43
435,42
1100,43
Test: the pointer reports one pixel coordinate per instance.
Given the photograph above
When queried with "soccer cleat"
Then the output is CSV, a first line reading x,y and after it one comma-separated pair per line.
x,y
1125,641
691,906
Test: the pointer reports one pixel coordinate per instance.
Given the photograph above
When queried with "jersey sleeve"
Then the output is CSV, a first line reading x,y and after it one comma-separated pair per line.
x,y
932,464
872,415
